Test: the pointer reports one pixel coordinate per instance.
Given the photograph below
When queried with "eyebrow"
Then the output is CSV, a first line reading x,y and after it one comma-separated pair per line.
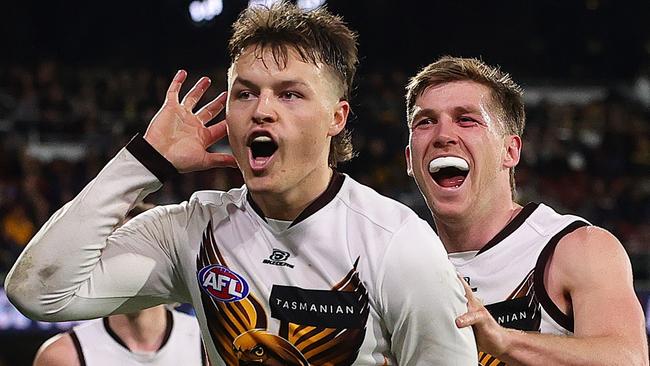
x,y
277,85
458,110
417,112
467,109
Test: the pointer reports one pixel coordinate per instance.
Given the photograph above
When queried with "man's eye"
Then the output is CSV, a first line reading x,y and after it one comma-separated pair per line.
x,y
244,95
290,95
423,122
467,120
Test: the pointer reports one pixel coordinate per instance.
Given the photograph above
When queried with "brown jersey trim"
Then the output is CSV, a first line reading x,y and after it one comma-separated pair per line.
x,y
545,300
226,320
510,228
204,353
168,328
77,347
326,197
113,335
169,324
151,158
255,207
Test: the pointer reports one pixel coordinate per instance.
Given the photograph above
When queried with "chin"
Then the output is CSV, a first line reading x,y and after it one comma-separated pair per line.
x,y
260,185
448,210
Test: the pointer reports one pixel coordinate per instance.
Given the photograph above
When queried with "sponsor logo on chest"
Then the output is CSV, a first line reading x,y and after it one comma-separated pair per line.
x,y
322,308
521,313
278,258
222,284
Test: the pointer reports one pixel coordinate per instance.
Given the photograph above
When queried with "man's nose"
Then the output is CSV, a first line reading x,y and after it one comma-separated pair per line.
x,y
446,134
265,110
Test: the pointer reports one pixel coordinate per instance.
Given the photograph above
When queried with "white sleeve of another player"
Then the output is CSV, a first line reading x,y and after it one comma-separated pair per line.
x,y
421,296
78,266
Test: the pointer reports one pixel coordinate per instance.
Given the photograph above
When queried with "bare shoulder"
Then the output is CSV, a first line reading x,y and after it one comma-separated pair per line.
x,y
592,235
591,253
57,351
590,243
592,270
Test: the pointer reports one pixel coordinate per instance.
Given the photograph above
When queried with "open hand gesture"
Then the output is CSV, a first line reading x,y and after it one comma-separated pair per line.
x,y
180,135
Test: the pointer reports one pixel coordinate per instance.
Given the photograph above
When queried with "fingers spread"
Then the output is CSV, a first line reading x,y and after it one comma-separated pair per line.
x,y
175,86
210,110
194,95
217,132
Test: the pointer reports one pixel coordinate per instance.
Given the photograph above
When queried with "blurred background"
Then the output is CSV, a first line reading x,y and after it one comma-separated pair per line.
x,y
79,78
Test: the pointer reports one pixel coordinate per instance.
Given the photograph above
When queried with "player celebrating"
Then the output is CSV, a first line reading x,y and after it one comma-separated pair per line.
x,y
535,270
302,265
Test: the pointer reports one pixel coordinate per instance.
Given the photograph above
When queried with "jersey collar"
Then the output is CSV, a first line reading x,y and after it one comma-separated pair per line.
x,y
513,225
333,188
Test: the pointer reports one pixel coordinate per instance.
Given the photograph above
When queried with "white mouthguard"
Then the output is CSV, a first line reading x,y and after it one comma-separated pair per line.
x,y
448,162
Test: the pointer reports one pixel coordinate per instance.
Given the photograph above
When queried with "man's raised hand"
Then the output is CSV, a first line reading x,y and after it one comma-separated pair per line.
x,y
180,135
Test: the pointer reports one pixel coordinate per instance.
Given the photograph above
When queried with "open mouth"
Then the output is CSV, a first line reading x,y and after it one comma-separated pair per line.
x,y
449,171
262,147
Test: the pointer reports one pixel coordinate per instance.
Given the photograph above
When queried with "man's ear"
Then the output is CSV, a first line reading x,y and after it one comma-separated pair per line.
x,y
512,151
340,117
407,155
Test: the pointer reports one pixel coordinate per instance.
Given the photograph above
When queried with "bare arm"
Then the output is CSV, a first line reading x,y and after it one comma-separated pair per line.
x,y
57,351
591,270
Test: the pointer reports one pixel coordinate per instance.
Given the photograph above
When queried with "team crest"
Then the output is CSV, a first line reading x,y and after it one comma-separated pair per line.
x,y
239,326
222,284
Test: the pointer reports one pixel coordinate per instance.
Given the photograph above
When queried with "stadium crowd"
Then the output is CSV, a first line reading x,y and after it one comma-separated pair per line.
x,y
59,125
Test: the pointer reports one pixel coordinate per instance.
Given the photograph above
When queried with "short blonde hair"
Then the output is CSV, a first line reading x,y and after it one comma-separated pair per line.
x,y
506,95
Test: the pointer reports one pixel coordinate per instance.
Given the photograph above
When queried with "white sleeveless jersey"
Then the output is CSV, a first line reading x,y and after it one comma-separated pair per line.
x,y
98,345
507,273
356,278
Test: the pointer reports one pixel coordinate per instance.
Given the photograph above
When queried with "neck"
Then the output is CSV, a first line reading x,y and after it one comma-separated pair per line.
x,y
288,205
473,231
143,331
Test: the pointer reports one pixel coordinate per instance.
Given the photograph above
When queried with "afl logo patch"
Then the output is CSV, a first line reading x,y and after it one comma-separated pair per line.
x,y
222,284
